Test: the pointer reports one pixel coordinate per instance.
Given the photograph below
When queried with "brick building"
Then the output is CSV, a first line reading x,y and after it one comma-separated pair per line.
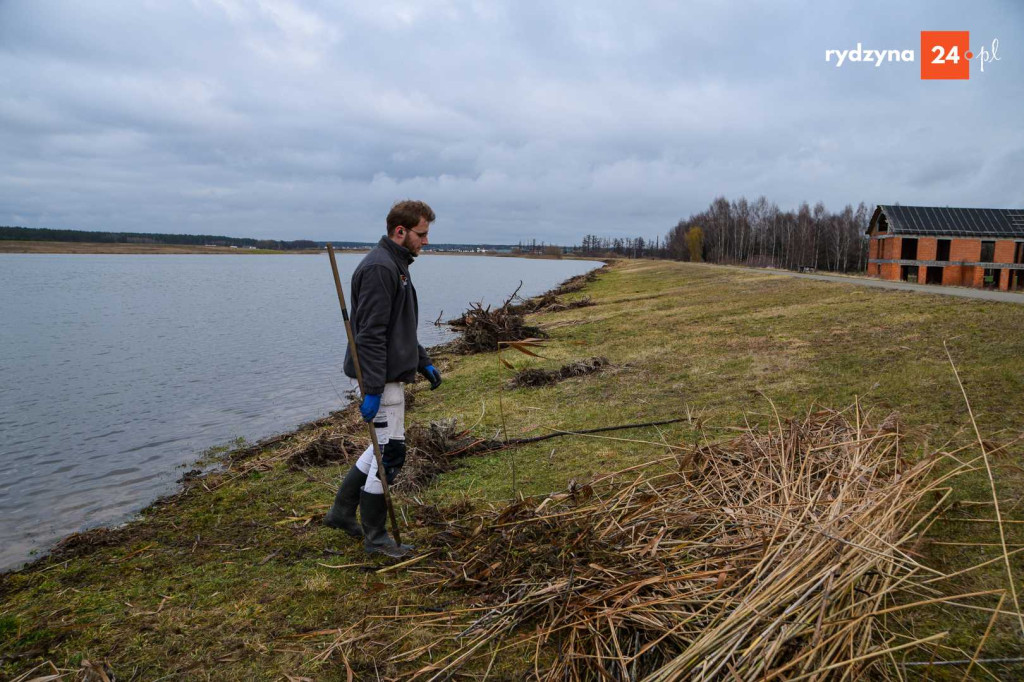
x,y
973,247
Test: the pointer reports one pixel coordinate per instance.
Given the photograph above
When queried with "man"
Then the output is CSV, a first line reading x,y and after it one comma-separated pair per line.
x,y
384,318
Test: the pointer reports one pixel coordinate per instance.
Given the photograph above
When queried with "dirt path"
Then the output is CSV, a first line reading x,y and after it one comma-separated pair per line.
x,y
964,292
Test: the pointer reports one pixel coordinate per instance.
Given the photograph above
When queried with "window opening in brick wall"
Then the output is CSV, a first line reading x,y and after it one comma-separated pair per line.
x,y
908,273
1018,256
908,249
942,250
991,278
933,275
988,252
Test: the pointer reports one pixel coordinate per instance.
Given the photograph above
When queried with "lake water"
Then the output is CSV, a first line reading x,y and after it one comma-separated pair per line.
x,y
116,370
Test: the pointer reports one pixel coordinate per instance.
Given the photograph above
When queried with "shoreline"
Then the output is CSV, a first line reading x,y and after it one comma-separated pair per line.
x,y
225,456
233,572
41,247
46,247
29,247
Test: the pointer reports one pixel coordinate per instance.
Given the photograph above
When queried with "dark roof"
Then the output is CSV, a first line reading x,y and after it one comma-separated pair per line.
x,y
952,222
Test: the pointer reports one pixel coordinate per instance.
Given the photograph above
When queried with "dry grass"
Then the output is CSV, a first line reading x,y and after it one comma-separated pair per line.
x,y
775,555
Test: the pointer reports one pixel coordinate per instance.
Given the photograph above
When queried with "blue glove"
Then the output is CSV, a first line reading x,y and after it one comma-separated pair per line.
x,y
432,375
369,408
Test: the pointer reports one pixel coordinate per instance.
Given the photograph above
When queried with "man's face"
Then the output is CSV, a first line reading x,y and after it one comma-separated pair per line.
x,y
416,237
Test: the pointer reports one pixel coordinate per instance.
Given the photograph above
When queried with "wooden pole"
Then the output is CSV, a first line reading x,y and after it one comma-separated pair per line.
x,y
359,379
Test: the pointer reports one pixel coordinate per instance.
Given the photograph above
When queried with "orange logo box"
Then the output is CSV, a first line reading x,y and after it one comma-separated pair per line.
x,y
946,55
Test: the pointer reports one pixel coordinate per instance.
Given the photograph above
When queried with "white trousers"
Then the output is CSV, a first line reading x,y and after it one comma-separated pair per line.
x,y
389,425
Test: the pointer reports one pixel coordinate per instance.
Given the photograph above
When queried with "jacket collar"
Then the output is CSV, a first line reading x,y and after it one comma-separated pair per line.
x,y
399,253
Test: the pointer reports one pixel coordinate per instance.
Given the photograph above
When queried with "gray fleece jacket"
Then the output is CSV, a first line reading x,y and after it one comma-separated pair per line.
x,y
384,317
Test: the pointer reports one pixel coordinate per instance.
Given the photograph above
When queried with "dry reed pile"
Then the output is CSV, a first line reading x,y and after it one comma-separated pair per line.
x,y
574,284
780,555
559,305
545,377
436,448
328,448
550,302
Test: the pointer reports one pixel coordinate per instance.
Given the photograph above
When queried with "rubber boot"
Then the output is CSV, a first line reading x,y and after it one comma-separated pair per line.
x,y
373,511
343,512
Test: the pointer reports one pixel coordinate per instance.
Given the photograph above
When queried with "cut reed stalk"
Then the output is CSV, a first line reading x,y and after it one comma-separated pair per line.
x,y
779,555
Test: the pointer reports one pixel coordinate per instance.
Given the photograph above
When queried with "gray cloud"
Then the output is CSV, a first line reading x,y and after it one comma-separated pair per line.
x,y
515,120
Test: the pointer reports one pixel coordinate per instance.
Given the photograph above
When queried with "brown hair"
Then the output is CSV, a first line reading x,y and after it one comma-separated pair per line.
x,y
407,213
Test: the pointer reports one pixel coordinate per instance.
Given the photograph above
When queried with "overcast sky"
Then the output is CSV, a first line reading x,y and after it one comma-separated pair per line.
x,y
514,120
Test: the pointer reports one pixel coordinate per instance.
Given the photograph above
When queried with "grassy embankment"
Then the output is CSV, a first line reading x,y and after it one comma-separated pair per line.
x,y
228,579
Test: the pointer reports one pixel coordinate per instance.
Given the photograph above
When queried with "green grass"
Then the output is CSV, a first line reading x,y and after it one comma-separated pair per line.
x,y
218,582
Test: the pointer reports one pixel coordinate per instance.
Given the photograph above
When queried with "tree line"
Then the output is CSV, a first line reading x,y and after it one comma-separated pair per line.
x,y
51,235
759,233
756,233
635,247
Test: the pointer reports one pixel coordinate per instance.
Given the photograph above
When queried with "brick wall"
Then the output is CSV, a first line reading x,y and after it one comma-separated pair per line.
x,y
889,249
965,249
1004,251
961,250
927,248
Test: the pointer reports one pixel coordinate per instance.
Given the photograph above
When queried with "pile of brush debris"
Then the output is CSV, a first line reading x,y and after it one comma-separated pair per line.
x,y
546,377
574,284
551,303
328,448
779,554
482,329
435,449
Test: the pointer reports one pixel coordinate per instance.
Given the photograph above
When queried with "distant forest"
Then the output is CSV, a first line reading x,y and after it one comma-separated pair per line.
x,y
755,233
48,235
741,232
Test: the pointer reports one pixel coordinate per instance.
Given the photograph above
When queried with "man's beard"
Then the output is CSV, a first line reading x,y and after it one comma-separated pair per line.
x,y
407,243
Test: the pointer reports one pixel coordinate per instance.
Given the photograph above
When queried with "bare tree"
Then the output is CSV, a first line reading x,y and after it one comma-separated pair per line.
x,y
759,233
